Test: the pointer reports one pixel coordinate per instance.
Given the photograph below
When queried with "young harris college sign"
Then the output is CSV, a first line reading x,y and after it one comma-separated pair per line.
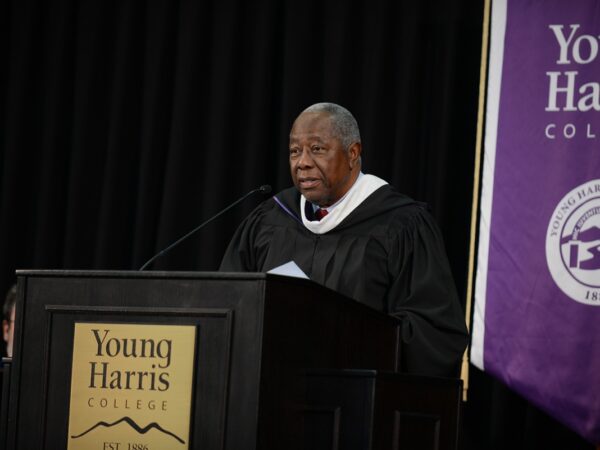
x,y
537,289
131,386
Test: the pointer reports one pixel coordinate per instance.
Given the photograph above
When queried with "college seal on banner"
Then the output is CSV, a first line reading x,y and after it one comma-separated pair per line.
x,y
573,243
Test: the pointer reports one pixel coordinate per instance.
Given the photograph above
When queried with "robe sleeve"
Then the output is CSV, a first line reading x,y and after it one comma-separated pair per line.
x,y
423,296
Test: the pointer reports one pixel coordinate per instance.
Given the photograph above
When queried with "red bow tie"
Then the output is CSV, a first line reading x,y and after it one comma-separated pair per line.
x,y
320,213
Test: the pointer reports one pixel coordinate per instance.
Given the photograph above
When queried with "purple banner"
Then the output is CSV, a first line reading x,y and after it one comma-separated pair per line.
x,y
537,313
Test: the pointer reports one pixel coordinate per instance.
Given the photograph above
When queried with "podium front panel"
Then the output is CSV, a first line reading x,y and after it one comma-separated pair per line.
x,y
225,384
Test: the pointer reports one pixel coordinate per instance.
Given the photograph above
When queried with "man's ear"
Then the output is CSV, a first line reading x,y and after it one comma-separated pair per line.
x,y
354,152
5,327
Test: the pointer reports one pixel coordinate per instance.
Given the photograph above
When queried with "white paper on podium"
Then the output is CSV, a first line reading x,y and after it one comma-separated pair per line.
x,y
289,269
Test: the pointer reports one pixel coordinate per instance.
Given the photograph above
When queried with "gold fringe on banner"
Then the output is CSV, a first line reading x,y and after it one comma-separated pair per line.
x,y
464,372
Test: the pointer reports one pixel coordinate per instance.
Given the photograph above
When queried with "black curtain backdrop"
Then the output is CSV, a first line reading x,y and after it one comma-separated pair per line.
x,y
124,124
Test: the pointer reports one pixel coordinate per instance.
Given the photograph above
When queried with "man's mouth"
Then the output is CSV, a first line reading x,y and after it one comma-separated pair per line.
x,y
308,183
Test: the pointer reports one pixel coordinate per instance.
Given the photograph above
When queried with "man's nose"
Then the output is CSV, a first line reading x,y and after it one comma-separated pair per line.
x,y
305,159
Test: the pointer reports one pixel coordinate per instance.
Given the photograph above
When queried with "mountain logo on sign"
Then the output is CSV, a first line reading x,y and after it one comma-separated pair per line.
x,y
132,424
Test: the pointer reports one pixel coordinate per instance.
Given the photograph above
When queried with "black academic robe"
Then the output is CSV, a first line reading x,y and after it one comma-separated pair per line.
x,y
388,254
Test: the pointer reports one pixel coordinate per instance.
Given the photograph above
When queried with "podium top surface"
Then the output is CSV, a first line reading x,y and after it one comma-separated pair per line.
x,y
145,274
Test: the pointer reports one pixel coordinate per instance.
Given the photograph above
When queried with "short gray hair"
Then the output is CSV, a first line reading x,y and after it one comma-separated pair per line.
x,y
342,120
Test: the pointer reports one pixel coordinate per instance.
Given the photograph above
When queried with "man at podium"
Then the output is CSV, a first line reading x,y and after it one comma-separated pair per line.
x,y
354,233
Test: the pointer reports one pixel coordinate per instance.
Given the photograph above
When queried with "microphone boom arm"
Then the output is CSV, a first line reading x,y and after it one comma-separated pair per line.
x,y
264,189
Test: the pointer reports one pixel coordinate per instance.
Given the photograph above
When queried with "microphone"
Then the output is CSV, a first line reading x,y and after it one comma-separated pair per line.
x,y
264,189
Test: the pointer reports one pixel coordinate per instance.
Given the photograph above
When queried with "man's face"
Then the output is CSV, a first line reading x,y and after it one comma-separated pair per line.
x,y
8,332
322,169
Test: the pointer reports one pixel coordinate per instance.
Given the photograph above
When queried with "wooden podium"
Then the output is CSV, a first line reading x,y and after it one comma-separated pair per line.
x,y
256,337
